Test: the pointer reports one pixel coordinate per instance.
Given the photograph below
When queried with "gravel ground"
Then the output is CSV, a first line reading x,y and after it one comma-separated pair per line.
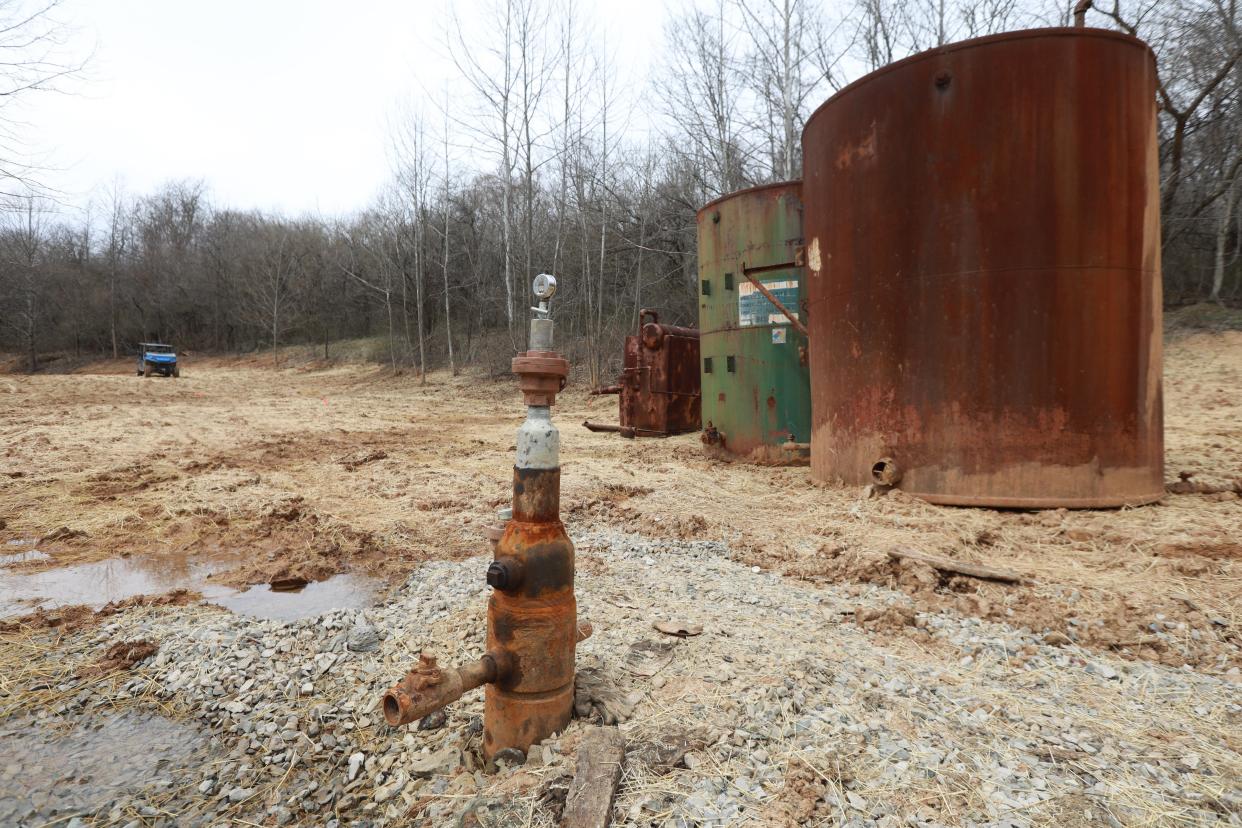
x,y
797,705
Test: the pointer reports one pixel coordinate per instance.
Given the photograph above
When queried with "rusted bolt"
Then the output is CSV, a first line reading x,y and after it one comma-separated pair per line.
x,y
885,472
943,80
505,574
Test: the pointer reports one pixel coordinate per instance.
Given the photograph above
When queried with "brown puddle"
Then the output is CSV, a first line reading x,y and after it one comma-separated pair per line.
x,y
48,775
101,582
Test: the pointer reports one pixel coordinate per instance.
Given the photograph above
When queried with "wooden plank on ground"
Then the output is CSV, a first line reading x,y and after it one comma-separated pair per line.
x,y
601,754
987,573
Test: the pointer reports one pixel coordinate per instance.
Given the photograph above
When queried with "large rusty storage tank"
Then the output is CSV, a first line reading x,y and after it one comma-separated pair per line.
x,y
755,380
983,237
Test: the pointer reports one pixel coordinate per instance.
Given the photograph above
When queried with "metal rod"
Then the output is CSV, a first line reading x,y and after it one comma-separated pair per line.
x,y
624,431
767,294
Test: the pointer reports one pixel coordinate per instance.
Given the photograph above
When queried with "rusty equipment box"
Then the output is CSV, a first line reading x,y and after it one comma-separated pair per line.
x,y
659,384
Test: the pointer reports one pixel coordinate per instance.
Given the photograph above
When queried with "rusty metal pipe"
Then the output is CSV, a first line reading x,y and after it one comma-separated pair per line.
x,y
605,389
606,428
658,330
771,297
653,332
624,431
1080,12
428,687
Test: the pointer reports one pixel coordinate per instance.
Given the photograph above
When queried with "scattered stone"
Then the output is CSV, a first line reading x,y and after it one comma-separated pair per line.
x,y
363,638
440,763
355,765
433,720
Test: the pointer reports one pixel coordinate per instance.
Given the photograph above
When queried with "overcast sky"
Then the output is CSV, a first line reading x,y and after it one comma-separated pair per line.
x,y
276,104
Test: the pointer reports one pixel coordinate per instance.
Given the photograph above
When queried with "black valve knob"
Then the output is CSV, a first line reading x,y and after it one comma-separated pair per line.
x,y
504,574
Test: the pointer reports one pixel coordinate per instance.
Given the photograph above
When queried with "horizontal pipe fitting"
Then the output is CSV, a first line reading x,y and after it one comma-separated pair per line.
x,y
886,472
427,687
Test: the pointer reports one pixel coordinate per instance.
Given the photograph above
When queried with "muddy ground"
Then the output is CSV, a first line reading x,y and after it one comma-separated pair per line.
x,y
313,470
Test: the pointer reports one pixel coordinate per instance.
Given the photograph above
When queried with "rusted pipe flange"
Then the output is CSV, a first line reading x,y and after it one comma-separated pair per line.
x,y
541,376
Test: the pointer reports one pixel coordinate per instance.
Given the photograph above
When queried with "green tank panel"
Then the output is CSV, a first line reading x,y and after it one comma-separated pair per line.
x,y
753,360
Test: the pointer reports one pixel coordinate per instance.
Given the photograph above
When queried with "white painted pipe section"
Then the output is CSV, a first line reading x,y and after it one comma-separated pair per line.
x,y
538,441
541,334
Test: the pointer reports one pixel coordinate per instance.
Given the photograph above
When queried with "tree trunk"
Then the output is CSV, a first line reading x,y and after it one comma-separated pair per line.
x,y
112,313
392,335
275,329
419,255
405,302
30,326
1222,236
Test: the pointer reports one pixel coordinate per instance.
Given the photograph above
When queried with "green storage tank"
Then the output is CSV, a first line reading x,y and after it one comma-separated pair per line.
x,y
753,351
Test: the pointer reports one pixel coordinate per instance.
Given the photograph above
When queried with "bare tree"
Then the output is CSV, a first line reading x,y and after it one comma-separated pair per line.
x,y
491,71
701,68
446,205
784,36
118,243
34,57
1199,47
272,278
413,179
25,234
370,246
1224,224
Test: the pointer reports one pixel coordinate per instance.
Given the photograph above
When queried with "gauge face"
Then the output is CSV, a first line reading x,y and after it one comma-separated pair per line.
x,y
545,286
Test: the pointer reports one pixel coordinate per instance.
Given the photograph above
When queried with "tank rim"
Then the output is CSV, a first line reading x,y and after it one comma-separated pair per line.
x,y
747,191
986,40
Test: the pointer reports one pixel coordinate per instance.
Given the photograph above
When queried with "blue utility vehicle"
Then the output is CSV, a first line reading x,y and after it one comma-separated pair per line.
x,y
157,358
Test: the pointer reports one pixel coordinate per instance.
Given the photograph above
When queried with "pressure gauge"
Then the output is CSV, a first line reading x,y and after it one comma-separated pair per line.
x,y
545,286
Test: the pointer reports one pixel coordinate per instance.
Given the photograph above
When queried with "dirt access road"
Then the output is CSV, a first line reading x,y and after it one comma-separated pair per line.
x,y
311,471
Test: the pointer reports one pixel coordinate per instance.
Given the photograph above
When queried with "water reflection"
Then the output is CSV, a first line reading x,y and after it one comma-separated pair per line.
x,y
338,592
101,582
98,583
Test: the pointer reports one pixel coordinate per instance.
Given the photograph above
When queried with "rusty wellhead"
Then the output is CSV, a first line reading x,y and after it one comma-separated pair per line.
x,y
532,629
983,258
